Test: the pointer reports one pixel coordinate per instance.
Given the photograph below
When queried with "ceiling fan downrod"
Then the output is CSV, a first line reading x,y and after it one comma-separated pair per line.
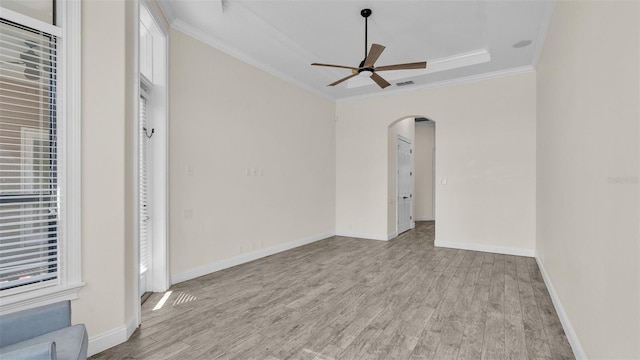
x,y
365,14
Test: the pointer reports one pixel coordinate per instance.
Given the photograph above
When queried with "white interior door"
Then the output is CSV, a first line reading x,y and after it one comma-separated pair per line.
x,y
405,185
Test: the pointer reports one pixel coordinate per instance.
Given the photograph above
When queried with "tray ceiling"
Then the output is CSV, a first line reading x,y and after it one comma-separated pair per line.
x,y
460,40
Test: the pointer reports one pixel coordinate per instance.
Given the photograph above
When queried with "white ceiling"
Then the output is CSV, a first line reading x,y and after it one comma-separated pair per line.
x,y
460,40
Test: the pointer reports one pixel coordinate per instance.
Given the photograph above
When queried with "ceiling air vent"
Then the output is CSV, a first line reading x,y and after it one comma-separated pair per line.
x,y
405,83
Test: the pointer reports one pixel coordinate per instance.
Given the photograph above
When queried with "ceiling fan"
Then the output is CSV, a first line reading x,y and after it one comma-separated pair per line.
x,y
366,67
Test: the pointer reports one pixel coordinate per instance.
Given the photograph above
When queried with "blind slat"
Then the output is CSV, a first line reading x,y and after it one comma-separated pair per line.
x,y
25,240
30,280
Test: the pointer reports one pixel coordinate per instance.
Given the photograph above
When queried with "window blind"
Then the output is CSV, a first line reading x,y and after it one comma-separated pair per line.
x,y
143,188
29,201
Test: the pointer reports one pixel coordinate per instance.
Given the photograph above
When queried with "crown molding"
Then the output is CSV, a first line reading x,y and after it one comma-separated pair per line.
x,y
167,11
195,33
542,34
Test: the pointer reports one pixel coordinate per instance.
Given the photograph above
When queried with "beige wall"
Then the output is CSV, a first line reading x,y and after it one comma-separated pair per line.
x,y
226,119
486,150
423,158
106,301
587,172
406,129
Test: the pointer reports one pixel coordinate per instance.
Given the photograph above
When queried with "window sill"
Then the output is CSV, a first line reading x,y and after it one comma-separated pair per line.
x,y
38,297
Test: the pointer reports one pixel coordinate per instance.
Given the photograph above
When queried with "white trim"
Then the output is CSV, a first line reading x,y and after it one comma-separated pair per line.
x,y
244,258
578,351
424,218
392,235
111,338
389,236
486,248
40,297
443,83
542,33
33,23
167,11
71,110
157,18
197,34
135,85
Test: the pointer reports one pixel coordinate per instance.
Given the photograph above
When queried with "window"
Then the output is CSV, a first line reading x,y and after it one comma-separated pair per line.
x,y
39,160
143,189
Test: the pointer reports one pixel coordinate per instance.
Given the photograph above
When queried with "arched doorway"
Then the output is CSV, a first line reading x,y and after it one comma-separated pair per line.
x,y
410,173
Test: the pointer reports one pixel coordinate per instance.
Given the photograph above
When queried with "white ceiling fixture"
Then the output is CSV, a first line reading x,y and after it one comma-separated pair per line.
x,y
460,40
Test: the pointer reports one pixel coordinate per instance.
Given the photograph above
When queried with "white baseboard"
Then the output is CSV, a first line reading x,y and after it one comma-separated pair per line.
x,y
578,351
244,258
392,235
424,219
486,248
364,236
111,338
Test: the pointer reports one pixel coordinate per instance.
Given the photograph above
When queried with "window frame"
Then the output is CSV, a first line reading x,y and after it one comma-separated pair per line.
x,y
68,16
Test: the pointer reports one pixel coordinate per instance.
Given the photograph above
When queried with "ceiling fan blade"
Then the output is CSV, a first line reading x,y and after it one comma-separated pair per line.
x,y
343,79
335,66
374,54
408,66
379,80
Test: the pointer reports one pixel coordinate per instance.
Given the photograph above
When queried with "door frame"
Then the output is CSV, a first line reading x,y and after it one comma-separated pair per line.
x,y
159,112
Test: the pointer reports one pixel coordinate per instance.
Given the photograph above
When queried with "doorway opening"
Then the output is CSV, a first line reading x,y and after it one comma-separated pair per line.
x,y
411,173
425,169
151,156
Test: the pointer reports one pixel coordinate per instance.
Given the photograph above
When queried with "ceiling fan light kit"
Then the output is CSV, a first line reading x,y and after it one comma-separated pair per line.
x,y
366,67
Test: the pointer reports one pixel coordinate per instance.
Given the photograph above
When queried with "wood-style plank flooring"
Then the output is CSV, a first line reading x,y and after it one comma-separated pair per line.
x,y
346,298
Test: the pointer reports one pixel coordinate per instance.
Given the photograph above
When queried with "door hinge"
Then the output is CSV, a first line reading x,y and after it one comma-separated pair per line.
x,y
411,151
410,195
411,173
410,217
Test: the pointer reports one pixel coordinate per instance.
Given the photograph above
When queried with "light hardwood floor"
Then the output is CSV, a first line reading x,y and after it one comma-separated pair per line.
x,y
346,298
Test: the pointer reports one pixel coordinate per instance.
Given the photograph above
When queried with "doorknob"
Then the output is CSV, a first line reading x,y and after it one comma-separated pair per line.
x,y
405,197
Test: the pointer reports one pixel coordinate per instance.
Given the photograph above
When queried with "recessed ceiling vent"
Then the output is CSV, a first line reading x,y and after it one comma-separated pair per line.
x,y
405,83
